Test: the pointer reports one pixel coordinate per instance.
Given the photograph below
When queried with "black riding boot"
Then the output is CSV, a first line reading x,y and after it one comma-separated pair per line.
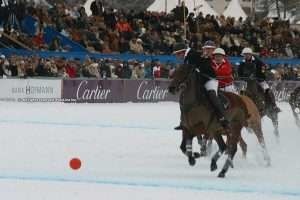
x,y
219,108
271,99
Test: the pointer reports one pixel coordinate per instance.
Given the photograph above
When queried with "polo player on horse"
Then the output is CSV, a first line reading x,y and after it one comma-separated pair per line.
x,y
252,68
203,65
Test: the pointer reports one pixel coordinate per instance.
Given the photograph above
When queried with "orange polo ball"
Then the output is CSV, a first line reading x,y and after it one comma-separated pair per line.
x,y
75,163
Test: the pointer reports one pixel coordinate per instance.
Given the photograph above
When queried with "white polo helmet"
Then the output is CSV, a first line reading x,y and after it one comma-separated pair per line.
x,y
219,51
247,50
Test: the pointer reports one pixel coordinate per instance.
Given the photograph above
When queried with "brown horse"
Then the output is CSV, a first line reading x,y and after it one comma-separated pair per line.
x,y
253,125
261,100
199,119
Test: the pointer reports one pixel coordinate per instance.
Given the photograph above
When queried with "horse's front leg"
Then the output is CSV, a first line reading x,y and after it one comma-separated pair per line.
x,y
274,118
189,150
222,147
297,120
232,138
183,144
243,146
202,141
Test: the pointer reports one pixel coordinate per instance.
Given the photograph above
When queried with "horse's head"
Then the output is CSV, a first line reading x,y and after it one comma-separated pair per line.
x,y
179,78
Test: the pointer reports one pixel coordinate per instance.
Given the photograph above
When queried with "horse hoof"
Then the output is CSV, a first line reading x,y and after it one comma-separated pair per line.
x,y
268,162
221,175
213,166
192,161
197,155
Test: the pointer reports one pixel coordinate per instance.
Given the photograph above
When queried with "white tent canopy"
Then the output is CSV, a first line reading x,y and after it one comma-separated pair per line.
x,y
234,9
87,6
199,5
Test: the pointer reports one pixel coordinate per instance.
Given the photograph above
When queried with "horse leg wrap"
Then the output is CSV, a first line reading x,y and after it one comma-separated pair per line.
x,y
189,147
202,142
189,152
227,164
215,158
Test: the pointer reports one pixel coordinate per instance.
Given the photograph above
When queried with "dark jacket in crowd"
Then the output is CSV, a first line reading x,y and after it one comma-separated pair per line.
x,y
1,70
126,71
124,46
97,9
110,19
14,70
180,12
105,71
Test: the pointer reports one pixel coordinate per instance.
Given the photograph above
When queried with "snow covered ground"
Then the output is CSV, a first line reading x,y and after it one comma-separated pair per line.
x,y
129,151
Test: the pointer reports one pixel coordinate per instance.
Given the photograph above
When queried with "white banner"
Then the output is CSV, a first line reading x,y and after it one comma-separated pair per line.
x,y
30,90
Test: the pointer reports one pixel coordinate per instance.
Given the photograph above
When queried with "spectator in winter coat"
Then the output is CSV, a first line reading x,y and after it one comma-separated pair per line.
x,y
126,71
2,60
288,51
223,70
38,40
21,69
136,46
110,19
123,26
148,70
93,70
105,71
180,12
157,70
138,71
6,69
118,70
13,67
124,45
97,8
70,70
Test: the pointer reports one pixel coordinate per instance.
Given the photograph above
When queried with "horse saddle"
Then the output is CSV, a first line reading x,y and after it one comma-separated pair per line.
x,y
224,100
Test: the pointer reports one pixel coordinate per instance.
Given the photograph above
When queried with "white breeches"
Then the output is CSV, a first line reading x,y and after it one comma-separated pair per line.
x,y
229,88
264,85
212,84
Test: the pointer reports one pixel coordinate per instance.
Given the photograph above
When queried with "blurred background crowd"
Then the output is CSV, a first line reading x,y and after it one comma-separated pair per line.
x,y
109,30
60,67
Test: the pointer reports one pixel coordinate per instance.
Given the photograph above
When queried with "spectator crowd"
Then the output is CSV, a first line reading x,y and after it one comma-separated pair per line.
x,y
109,30
60,67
